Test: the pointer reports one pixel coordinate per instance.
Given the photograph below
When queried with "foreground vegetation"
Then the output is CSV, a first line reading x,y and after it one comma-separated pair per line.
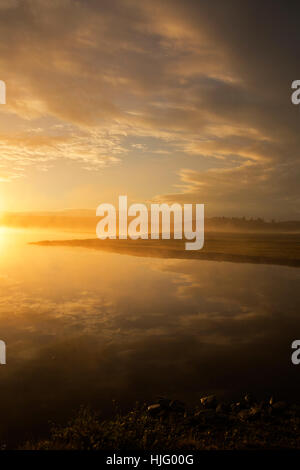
x,y
169,425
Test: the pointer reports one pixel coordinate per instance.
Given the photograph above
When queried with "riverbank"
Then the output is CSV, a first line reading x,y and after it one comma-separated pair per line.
x,y
258,248
170,425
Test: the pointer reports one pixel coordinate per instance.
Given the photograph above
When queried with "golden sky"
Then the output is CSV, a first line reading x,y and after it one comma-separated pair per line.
x,y
166,100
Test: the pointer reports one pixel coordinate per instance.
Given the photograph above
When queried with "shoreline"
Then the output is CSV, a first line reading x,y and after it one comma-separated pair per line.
x,y
282,250
170,425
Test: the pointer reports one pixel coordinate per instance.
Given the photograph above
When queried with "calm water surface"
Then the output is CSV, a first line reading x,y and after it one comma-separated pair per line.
x,y
86,327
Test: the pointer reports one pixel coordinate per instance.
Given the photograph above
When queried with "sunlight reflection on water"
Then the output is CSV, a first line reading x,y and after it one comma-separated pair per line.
x,y
84,326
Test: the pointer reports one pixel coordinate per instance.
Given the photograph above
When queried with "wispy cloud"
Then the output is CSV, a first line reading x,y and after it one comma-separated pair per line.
x,y
202,78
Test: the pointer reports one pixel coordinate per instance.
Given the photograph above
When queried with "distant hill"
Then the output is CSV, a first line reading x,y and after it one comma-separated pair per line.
x,y
242,224
86,220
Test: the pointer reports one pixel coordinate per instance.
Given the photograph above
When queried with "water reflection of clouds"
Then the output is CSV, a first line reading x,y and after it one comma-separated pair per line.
x,y
106,326
204,299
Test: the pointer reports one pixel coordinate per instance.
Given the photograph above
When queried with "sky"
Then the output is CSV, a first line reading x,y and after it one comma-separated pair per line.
x,y
162,101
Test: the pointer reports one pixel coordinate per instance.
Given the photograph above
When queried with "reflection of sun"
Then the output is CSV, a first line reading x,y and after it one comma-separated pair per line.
x,y
3,231
7,243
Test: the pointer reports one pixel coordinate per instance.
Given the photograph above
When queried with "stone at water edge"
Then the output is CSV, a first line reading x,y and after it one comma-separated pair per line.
x,y
154,409
249,399
164,402
279,406
210,401
223,408
255,411
207,414
176,405
243,415
235,407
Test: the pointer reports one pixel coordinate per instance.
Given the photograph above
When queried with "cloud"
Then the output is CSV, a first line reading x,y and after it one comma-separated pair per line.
x,y
94,149
203,78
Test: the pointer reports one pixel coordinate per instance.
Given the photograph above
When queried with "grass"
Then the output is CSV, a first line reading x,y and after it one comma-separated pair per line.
x,y
197,429
265,248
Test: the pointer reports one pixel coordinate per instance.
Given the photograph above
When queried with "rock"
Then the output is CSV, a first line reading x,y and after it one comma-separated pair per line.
x,y
255,411
176,405
209,402
235,407
249,413
154,409
244,415
279,406
164,402
203,413
263,405
164,406
206,416
222,408
249,399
